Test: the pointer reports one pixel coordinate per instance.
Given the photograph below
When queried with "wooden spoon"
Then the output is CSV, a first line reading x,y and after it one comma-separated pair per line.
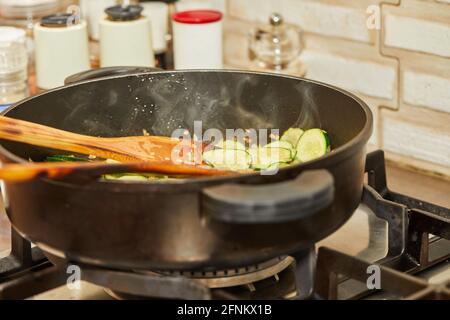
x,y
136,154
120,149
58,170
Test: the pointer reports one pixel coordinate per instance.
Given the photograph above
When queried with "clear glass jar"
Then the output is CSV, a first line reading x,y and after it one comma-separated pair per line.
x,y
13,65
275,46
25,13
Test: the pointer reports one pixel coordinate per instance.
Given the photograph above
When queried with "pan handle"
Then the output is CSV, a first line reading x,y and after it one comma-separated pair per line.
x,y
106,72
310,192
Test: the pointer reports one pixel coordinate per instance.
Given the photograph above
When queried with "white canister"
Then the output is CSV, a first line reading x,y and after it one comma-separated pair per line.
x,y
61,49
158,13
125,38
197,39
93,11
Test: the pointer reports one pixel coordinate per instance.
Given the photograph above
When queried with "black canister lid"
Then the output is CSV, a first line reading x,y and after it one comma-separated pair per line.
x,y
124,13
58,20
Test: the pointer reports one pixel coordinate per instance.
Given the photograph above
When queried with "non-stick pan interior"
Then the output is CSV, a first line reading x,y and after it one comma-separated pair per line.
x,y
162,102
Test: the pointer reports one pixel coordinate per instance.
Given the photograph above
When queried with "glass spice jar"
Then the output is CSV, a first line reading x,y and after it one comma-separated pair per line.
x,y
13,65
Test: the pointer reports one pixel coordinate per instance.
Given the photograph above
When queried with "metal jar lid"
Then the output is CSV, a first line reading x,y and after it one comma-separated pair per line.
x,y
58,20
124,13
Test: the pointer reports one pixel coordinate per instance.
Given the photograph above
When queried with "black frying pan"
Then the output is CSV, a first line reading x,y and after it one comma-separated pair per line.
x,y
206,223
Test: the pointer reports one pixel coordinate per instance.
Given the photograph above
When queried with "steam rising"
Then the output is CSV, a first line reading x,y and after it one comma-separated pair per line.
x,y
162,103
308,116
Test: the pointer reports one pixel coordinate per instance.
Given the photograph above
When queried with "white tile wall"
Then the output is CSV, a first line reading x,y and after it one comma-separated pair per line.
x,y
426,90
417,141
361,76
418,35
327,19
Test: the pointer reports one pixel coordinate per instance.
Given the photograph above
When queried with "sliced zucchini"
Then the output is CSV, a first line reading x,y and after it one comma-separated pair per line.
x,y
295,162
230,144
313,144
279,144
129,177
227,159
64,158
278,165
284,145
265,157
327,137
292,135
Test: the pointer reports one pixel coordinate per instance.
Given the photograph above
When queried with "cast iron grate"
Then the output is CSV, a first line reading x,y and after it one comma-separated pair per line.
x,y
411,248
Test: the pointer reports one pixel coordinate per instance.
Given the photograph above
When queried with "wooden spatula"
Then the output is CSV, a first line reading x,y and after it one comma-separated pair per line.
x,y
59,170
120,149
136,154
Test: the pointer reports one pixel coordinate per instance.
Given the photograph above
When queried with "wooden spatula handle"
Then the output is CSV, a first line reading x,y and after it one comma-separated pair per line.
x,y
59,170
113,148
39,135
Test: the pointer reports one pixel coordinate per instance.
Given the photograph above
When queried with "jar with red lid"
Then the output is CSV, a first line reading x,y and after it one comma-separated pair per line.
x,y
197,39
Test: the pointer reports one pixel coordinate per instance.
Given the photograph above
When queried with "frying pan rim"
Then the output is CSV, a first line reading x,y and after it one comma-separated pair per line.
x,y
336,154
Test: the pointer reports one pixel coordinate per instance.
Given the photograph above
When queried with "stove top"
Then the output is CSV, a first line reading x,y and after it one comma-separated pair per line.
x,y
393,247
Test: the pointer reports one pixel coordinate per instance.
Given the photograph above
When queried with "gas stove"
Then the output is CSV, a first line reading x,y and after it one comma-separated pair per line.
x,y
394,246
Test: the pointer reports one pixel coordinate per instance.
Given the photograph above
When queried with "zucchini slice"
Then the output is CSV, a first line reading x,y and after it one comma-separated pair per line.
x,y
284,145
227,159
229,144
64,158
313,144
292,135
128,177
265,157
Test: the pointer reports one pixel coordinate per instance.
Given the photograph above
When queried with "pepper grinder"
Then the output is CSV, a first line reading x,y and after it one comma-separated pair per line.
x,y
125,38
276,47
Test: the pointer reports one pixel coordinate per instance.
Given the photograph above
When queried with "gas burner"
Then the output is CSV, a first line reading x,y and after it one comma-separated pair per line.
x,y
237,276
273,279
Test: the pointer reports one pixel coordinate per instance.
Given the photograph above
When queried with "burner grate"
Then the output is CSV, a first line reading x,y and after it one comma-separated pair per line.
x,y
411,249
332,264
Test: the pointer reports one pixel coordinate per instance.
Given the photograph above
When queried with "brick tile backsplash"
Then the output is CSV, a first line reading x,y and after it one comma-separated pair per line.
x,y
402,70
361,76
425,90
182,5
252,10
328,19
418,134
417,35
